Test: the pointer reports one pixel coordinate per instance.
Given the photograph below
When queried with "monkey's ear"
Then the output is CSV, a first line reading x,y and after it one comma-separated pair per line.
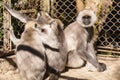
x,y
44,15
23,18
38,16
60,23
57,26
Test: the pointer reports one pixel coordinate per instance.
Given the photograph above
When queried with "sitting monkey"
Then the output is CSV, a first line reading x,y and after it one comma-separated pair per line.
x,y
79,38
40,48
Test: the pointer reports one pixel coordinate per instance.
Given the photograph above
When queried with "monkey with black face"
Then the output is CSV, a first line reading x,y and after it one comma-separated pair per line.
x,y
79,36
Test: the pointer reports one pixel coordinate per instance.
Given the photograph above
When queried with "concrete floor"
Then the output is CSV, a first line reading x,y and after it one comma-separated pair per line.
x,y
10,72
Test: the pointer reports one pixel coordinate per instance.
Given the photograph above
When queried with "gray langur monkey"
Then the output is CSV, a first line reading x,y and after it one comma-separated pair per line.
x,y
41,48
30,52
80,43
58,30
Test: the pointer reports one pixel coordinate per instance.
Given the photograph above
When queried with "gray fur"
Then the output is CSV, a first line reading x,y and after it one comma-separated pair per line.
x,y
80,42
42,48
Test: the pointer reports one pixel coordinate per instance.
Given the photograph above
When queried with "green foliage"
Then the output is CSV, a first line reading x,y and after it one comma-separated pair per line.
x,y
1,19
1,24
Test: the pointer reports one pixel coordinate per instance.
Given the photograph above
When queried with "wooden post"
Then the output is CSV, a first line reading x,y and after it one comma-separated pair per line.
x,y
52,10
79,5
6,24
46,5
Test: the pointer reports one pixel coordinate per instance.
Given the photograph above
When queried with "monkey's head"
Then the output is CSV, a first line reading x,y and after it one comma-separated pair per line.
x,y
86,18
44,16
42,31
38,27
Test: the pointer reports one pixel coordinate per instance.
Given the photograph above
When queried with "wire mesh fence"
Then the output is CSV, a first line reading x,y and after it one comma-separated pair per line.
x,y
66,11
109,36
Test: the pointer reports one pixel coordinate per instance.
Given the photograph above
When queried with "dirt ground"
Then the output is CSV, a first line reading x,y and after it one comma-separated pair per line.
x,y
8,70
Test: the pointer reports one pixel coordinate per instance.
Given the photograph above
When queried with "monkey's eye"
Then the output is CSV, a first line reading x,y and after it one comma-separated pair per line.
x,y
36,25
86,17
43,30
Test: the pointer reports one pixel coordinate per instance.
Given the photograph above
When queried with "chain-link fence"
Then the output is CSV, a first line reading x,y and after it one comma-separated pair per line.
x,y
66,10
109,36
108,39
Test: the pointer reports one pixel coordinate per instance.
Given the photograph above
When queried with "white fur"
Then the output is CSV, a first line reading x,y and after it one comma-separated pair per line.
x,y
48,28
38,16
86,12
50,38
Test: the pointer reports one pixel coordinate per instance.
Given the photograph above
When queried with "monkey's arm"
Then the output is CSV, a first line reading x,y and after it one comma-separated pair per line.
x,y
23,18
84,53
12,36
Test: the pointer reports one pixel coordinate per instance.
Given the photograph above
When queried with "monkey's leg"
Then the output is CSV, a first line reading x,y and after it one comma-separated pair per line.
x,y
74,61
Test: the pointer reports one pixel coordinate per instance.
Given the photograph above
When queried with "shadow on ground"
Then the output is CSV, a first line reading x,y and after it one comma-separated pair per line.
x,y
70,78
